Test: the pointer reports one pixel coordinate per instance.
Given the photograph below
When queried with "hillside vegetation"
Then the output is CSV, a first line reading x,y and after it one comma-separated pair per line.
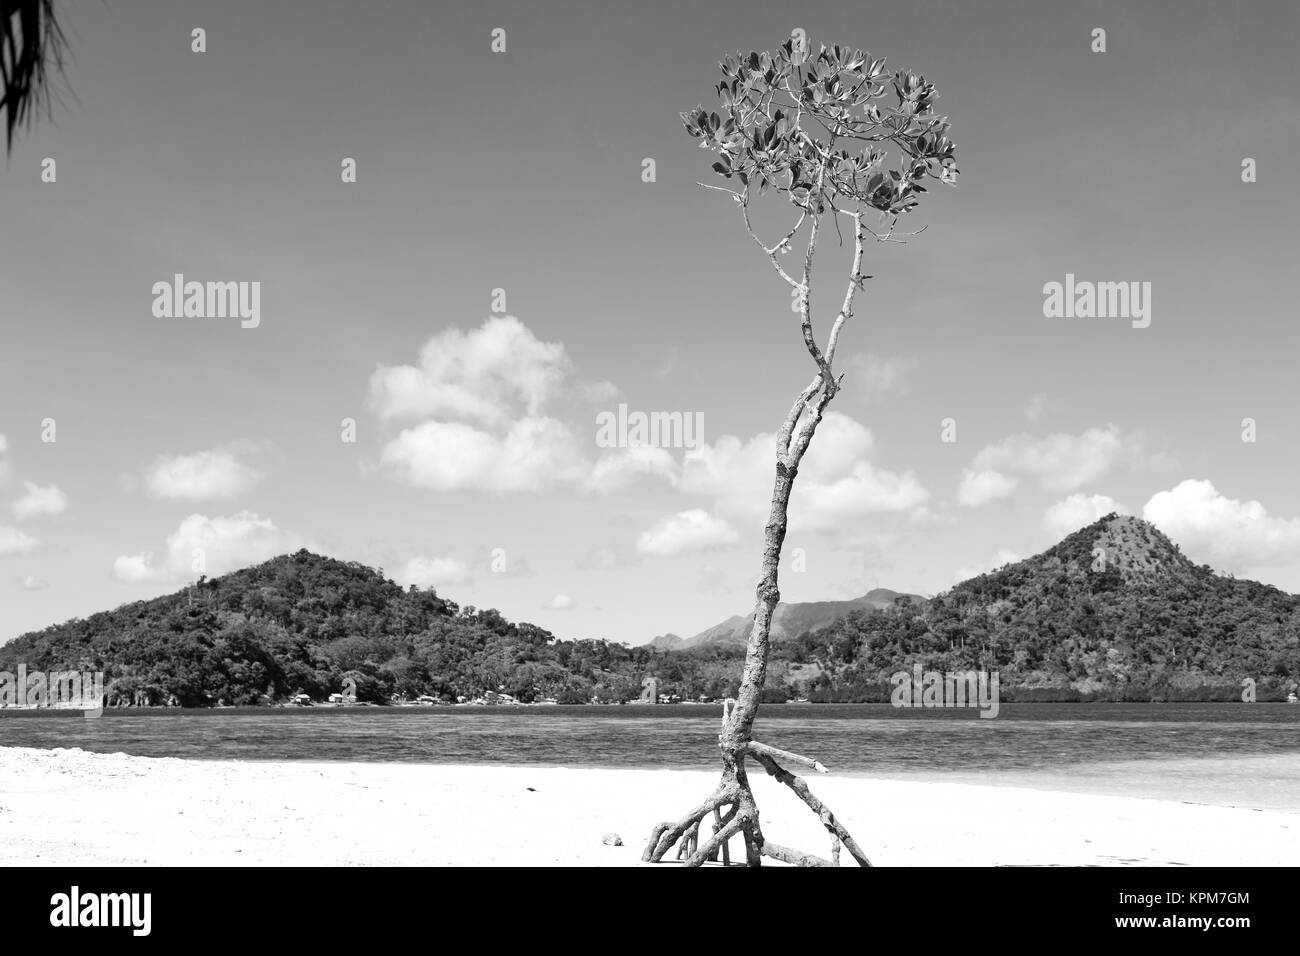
x,y
1113,612
303,623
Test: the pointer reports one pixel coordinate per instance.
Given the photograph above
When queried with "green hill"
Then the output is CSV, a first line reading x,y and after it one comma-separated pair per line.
x,y
1115,611
303,623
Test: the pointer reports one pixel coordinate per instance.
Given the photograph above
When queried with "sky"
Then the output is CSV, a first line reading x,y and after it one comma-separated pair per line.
x,y
476,467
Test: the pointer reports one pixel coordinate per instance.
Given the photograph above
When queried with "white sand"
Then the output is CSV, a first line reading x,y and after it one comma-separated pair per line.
x,y
69,807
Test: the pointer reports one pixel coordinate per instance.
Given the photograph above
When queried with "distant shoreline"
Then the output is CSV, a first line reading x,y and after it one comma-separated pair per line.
x,y
691,705
517,705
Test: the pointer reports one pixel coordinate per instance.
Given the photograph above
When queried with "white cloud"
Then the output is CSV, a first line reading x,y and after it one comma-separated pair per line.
x,y
1002,557
222,543
479,376
839,445
561,602
693,530
824,505
13,541
880,375
4,463
216,473
33,583
480,420
1223,531
1060,462
618,468
475,404
434,572
37,501
730,469
532,454
836,482
228,543
1079,511
136,568
978,488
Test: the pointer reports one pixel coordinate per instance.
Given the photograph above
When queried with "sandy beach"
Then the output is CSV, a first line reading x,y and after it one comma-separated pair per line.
x,y
70,807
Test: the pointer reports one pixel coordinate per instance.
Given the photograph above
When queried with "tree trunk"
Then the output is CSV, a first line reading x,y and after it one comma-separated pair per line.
x,y
736,740
754,676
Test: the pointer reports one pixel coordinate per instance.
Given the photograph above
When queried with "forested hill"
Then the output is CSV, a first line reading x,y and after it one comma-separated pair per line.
x,y
303,623
1115,611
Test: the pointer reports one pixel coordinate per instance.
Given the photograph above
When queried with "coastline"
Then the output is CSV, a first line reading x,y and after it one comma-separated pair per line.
x,y
72,807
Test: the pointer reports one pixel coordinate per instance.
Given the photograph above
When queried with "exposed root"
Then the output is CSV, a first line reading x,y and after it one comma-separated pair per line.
x,y
659,830
757,750
753,846
664,835
823,812
718,839
720,821
793,857
687,844
741,816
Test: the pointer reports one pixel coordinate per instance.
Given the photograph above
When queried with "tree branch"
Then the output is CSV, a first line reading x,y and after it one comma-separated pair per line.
x,y
772,252
805,302
792,419
799,444
855,283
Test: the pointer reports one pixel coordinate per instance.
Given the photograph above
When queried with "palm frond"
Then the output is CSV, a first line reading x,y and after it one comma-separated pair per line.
x,y
31,43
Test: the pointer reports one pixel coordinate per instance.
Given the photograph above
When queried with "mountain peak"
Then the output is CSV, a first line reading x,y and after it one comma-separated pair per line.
x,y
788,620
1126,543
667,642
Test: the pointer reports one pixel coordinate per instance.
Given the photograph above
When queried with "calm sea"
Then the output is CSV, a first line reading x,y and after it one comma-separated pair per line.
x,y
1234,754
